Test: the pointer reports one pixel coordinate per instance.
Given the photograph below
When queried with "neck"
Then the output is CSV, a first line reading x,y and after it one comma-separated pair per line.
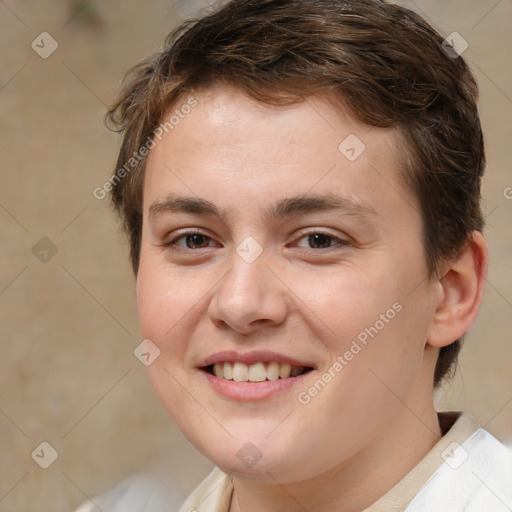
x,y
354,484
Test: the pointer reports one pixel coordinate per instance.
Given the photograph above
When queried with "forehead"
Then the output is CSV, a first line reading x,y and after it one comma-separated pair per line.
x,y
232,148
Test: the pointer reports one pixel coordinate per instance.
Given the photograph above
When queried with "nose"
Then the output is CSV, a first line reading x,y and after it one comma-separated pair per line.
x,y
248,297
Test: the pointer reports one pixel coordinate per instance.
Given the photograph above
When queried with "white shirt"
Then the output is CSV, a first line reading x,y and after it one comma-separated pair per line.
x,y
468,470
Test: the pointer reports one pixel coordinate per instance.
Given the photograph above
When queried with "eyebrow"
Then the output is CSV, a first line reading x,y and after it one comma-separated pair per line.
x,y
283,208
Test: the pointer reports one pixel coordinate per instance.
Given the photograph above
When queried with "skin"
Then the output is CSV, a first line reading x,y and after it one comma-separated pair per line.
x,y
375,420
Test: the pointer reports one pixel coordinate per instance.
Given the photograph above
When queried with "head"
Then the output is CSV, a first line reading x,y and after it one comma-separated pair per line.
x,y
260,101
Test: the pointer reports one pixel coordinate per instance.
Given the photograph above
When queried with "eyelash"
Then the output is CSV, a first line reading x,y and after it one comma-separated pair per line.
x,y
171,244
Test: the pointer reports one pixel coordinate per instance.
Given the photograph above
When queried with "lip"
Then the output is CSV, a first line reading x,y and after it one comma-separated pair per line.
x,y
254,356
245,391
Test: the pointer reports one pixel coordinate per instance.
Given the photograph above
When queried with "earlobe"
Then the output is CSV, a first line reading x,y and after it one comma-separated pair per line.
x,y
462,285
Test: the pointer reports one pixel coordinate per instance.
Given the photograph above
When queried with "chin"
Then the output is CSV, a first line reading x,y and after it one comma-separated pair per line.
x,y
264,470
263,460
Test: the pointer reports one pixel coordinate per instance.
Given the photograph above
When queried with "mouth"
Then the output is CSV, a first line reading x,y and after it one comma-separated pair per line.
x,y
254,375
260,371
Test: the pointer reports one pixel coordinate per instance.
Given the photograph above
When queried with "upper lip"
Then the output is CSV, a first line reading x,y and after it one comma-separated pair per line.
x,y
252,357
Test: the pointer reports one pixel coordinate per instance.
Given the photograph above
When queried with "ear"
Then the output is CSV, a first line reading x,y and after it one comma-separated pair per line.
x,y
462,284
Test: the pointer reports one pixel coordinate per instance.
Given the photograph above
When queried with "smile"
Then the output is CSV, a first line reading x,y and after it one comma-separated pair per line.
x,y
254,375
256,372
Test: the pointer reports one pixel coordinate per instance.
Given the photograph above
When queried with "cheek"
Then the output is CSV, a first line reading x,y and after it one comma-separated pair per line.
x,y
164,293
373,322
160,302
151,302
161,311
172,305
346,300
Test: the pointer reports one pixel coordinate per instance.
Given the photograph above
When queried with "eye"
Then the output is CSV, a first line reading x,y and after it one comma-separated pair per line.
x,y
320,240
192,240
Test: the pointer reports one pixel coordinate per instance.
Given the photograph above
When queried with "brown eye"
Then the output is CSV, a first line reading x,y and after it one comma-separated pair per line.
x,y
193,240
319,239
196,239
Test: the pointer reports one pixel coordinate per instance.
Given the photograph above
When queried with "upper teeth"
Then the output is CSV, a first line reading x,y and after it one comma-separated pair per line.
x,y
257,372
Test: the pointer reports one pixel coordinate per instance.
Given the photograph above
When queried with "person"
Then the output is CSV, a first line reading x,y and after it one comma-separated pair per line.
x,y
300,183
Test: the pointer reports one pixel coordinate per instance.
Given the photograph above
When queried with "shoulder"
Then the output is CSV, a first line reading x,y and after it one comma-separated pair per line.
x,y
136,493
212,495
476,476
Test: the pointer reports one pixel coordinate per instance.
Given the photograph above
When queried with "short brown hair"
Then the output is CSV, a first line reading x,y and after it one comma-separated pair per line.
x,y
382,61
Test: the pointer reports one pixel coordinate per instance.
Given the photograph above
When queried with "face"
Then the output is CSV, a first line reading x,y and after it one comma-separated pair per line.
x,y
277,248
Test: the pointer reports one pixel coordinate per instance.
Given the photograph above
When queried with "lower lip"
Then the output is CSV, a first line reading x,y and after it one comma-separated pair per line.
x,y
251,390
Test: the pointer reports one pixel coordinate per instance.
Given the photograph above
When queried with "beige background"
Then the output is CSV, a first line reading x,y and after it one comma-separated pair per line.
x,y
68,326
